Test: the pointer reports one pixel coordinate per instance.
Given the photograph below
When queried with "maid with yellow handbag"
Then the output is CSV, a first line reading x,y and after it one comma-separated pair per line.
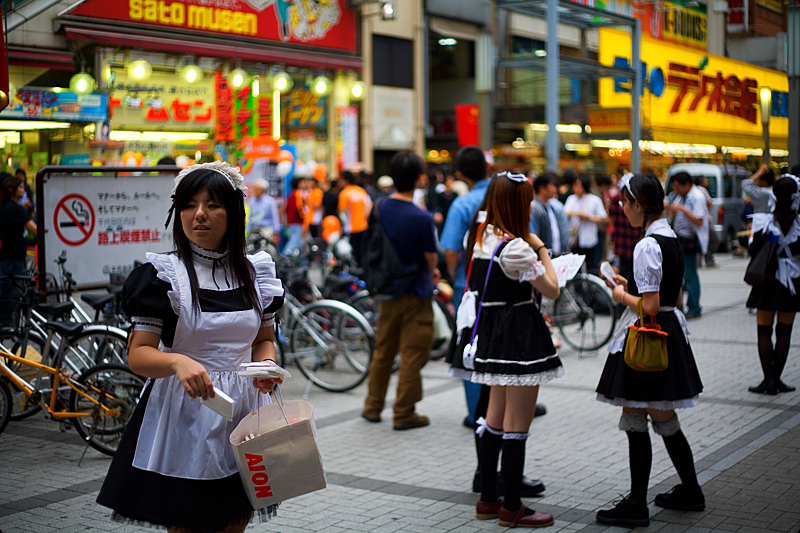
x,y
650,370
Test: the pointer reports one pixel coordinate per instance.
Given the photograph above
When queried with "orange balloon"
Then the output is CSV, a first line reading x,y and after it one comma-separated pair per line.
x,y
330,225
285,155
320,172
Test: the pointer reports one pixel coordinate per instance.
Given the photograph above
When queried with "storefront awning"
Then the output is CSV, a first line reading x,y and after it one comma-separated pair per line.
x,y
151,40
717,139
42,58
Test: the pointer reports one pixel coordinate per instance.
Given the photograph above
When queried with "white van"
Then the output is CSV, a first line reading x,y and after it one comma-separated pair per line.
x,y
725,186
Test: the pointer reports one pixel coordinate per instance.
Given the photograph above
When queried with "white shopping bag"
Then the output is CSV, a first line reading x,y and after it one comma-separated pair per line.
x,y
282,460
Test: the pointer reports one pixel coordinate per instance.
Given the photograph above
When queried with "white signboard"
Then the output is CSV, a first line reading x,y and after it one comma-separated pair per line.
x,y
105,222
393,111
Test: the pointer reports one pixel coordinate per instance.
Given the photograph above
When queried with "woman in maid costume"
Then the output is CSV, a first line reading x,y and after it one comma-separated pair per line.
x,y
657,279
780,296
198,313
506,344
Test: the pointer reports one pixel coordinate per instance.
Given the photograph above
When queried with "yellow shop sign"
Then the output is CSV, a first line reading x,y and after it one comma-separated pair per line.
x,y
686,89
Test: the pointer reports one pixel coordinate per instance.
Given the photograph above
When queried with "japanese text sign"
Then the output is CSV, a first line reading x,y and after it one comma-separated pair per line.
x,y
43,104
697,92
306,109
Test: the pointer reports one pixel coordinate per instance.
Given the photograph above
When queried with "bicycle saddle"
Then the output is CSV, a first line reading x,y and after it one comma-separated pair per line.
x,y
51,310
97,300
65,329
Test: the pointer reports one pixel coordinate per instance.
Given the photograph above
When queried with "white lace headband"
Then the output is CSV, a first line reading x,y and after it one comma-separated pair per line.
x,y
519,178
230,172
625,183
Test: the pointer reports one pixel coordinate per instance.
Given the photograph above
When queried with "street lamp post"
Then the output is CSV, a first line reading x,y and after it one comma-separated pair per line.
x,y
765,96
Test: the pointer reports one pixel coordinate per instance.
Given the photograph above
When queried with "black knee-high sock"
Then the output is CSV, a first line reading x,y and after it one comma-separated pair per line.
x,y
488,455
681,454
783,337
513,465
766,353
640,455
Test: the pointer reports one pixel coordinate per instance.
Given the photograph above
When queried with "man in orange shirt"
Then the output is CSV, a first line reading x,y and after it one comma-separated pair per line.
x,y
312,219
354,208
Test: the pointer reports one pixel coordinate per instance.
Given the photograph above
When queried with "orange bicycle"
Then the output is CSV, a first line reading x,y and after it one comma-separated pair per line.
x,y
100,402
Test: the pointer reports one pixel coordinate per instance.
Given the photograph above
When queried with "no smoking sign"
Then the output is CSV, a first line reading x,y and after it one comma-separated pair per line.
x,y
74,219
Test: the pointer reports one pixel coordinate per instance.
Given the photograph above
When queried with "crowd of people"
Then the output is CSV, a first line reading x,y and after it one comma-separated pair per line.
x,y
498,237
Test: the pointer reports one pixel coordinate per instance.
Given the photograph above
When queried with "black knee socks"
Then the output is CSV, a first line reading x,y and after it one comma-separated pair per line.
x,y
640,455
766,353
681,454
783,336
513,465
488,454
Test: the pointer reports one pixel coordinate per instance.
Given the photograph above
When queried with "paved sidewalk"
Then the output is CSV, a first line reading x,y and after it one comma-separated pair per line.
x,y
747,450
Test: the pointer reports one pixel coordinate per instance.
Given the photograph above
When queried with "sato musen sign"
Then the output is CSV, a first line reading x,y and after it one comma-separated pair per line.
x,y
327,24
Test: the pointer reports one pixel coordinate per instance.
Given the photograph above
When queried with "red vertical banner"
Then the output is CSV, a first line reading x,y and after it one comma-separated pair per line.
x,y
224,130
262,116
468,124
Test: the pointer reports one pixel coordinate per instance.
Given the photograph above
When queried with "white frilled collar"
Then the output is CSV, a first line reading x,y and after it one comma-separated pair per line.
x,y
206,256
660,227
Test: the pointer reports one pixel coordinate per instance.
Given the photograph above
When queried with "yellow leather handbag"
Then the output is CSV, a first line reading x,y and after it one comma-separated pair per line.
x,y
646,345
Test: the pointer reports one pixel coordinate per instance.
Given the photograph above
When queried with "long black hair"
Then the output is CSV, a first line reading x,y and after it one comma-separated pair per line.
x,y
648,191
783,189
220,190
8,186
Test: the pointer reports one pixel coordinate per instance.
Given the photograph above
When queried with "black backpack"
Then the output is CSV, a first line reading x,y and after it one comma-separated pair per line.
x,y
381,264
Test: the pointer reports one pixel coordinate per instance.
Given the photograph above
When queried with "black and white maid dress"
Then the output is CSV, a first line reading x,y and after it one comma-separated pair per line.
x,y
784,293
175,465
657,266
514,347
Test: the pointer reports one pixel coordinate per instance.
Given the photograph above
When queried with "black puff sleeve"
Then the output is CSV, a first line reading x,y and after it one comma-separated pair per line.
x,y
144,295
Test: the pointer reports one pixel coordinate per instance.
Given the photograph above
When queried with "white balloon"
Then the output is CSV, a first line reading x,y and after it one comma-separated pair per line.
x,y
131,162
283,168
311,166
301,171
182,161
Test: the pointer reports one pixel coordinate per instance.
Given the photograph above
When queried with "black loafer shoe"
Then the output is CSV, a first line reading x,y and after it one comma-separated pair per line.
x,y
530,487
625,513
682,499
783,387
764,388
540,410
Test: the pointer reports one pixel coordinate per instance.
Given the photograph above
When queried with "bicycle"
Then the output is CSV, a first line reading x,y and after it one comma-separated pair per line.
x,y
101,400
583,313
329,341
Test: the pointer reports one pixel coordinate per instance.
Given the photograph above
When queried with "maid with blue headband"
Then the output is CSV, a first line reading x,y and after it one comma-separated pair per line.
x,y
197,314
656,286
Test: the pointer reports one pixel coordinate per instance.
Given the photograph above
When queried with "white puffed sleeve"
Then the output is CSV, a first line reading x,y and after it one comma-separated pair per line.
x,y
647,261
520,262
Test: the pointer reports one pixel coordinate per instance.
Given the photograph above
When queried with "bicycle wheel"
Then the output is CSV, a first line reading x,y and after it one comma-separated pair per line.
x,y
584,313
23,405
96,346
111,386
332,345
5,405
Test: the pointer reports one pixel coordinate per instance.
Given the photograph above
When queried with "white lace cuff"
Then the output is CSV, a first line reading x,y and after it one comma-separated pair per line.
x,y
267,320
148,324
536,270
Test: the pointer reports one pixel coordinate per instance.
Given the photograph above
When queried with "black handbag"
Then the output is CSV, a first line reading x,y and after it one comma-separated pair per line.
x,y
763,266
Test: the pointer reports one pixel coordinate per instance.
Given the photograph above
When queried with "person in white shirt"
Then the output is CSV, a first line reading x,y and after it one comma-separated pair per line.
x,y
586,211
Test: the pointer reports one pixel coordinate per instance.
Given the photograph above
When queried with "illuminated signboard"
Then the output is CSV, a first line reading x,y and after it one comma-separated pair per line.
x,y
688,90
326,24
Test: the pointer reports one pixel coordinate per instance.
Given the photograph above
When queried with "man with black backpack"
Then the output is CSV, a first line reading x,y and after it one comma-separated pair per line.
x,y
400,261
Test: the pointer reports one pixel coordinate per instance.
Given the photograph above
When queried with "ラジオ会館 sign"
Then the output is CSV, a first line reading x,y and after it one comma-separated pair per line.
x,y
688,90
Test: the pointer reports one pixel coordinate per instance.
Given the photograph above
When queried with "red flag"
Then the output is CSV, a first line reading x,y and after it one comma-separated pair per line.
x,y
468,124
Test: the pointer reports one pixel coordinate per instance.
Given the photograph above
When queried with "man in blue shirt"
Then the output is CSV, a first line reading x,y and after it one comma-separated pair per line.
x,y
548,219
405,323
263,210
471,169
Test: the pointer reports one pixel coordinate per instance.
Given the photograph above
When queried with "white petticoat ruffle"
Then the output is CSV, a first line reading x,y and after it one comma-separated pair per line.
x,y
510,380
657,405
